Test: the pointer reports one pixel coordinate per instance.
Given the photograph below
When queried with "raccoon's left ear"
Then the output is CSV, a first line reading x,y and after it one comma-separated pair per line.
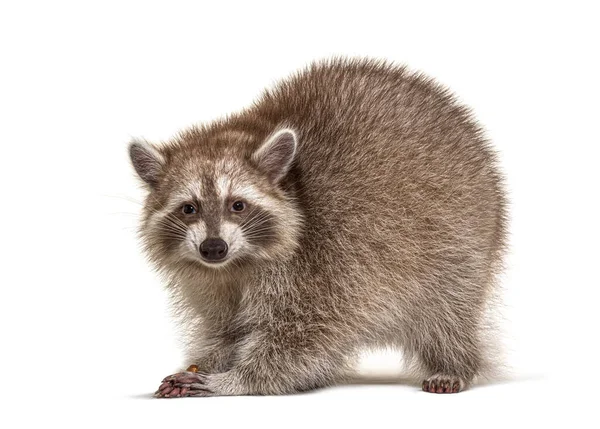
x,y
276,154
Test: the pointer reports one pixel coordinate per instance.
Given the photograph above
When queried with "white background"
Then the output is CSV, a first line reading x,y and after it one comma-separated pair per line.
x,y
86,332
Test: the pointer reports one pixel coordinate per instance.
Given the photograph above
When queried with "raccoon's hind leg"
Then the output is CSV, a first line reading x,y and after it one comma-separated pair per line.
x,y
448,349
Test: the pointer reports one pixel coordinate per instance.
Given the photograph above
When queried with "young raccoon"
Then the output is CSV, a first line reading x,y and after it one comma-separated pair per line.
x,y
355,205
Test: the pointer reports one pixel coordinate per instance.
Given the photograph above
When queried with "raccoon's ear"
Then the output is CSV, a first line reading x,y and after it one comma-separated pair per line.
x,y
147,161
276,154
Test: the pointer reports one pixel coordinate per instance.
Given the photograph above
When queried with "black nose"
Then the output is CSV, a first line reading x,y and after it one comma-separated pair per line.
x,y
213,249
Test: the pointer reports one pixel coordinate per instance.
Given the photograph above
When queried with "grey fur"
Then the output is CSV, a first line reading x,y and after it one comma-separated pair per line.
x,y
388,230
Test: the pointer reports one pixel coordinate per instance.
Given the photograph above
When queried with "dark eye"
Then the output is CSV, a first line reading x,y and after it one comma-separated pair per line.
x,y
238,206
188,209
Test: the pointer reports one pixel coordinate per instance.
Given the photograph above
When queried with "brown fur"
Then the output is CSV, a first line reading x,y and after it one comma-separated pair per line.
x,y
388,230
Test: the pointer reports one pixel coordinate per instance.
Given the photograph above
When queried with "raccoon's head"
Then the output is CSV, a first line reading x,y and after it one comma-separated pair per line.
x,y
218,201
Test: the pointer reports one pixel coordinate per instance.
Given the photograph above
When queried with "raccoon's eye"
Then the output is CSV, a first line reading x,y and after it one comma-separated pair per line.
x,y
238,206
188,209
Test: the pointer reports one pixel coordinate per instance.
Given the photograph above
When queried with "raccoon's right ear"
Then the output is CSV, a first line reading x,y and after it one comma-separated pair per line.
x,y
147,161
275,156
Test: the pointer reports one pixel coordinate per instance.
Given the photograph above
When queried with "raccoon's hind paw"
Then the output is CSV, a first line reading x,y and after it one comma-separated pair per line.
x,y
183,384
440,383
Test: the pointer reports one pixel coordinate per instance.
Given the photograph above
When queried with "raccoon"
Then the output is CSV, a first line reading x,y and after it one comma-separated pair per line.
x,y
355,205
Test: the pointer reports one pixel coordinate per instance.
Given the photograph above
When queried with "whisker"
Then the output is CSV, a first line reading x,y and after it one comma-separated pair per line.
x,y
261,227
173,228
170,223
175,219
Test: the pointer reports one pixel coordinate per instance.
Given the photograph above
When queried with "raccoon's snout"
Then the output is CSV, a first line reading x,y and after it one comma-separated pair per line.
x,y
213,249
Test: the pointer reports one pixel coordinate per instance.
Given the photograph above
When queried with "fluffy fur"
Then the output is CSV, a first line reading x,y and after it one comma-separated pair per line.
x,y
374,216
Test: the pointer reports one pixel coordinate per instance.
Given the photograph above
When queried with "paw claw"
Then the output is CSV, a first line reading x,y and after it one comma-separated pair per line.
x,y
183,384
442,384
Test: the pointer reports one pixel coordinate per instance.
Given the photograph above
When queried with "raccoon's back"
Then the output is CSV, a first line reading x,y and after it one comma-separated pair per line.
x,y
392,174
378,144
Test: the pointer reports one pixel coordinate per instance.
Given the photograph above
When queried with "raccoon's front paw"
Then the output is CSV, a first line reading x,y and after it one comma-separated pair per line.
x,y
440,383
184,384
